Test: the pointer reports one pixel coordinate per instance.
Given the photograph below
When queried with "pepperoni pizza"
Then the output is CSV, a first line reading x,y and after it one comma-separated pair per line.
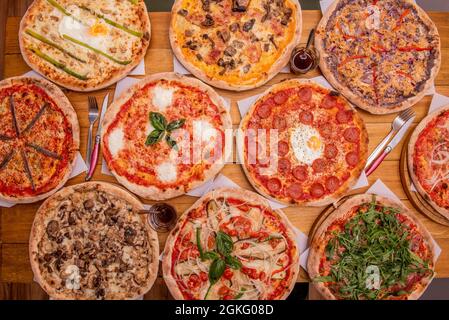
x,y
302,144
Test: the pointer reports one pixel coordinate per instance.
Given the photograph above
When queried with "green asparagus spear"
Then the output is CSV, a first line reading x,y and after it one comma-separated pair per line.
x,y
113,23
95,50
51,43
57,64
59,7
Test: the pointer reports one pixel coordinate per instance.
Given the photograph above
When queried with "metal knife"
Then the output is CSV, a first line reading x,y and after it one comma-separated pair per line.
x,y
393,143
96,149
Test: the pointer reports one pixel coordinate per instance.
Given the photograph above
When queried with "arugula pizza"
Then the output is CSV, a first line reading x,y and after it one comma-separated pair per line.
x,y
383,55
231,245
84,45
89,241
428,159
370,248
166,135
302,144
235,44
39,139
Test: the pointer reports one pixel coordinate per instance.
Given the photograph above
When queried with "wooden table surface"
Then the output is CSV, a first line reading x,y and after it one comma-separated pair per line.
x,y
15,222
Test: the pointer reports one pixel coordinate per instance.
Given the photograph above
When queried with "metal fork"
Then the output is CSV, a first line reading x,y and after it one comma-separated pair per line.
x,y
93,116
398,122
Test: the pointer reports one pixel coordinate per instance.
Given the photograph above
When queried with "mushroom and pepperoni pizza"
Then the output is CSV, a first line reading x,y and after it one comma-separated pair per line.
x,y
235,44
371,248
89,241
231,245
166,135
302,144
84,45
383,55
428,159
39,139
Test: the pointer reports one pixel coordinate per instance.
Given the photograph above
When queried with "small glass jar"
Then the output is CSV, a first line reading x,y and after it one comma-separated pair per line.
x,y
303,59
161,217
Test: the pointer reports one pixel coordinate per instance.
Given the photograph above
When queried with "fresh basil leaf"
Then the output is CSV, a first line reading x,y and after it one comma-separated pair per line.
x,y
224,243
233,262
175,124
154,137
240,294
158,121
171,143
216,270
210,255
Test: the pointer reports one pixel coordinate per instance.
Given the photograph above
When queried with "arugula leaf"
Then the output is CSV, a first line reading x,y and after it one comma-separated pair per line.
x,y
154,137
175,124
224,243
158,121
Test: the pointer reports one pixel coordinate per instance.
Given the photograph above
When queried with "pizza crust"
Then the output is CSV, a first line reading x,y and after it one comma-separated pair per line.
x,y
200,74
317,245
67,109
38,229
357,171
356,99
251,198
75,87
410,155
152,192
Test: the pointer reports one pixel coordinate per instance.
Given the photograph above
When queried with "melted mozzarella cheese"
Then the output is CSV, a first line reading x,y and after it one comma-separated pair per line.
x,y
166,172
162,97
203,130
116,141
306,144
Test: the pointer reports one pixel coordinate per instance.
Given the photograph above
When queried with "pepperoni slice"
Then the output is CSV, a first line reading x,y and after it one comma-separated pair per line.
x,y
326,130
284,165
317,190
264,111
352,158
283,148
294,190
329,102
306,117
330,151
280,97
305,94
344,116
300,173
332,183
319,165
279,123
274,185
351,134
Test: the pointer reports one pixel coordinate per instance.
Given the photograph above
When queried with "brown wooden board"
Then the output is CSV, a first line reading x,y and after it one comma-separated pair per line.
x,y
15,222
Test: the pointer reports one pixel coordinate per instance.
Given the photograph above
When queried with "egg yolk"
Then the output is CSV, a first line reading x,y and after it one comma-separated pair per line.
x,y
98,29
314,143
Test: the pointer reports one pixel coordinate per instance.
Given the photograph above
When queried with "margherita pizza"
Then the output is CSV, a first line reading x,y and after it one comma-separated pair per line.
x,y
383,55
428,159
302,144
84,45
89,241
231,245
235,44
39,139
166,135
371,248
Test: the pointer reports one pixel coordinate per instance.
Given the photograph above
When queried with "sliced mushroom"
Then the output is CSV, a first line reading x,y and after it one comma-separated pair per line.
x,y
230,51
248,25
208,21
88,204
52,229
